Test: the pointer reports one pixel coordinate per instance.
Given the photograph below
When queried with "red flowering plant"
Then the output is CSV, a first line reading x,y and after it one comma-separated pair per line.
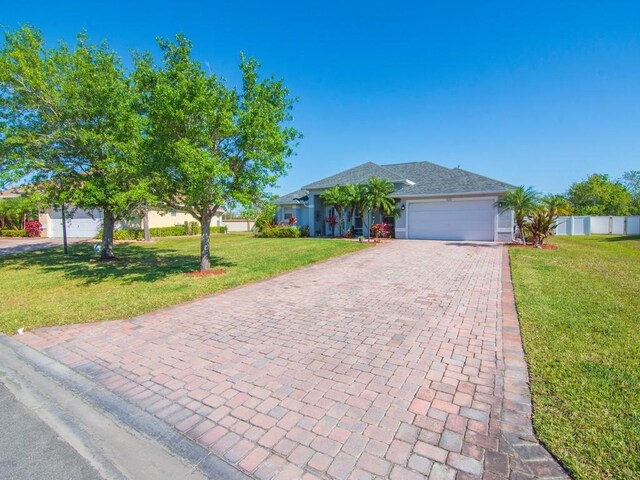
x,y
381,230
292,221
332,221
33,228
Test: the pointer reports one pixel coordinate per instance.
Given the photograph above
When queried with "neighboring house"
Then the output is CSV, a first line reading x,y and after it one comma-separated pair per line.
x,y
435,202
86,224
10,193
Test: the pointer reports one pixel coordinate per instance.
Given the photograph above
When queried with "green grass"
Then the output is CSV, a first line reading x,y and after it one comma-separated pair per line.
x,y
45,287
579,309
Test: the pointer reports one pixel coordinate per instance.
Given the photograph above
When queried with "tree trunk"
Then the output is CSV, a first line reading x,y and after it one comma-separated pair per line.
x,y
108,225
205,245
145,224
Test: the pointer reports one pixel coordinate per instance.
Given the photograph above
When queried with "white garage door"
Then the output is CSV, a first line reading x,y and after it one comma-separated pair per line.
x,y
81,225
455,220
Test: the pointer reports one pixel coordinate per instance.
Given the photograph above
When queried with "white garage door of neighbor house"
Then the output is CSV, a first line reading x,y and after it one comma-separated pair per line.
x,y
454,220
81,225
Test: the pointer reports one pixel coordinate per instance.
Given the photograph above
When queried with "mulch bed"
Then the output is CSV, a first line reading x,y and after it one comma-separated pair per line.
x,y
206,273
545,246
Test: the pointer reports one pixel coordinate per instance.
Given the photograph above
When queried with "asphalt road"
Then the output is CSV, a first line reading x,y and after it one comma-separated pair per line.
x,y
19,245
30,449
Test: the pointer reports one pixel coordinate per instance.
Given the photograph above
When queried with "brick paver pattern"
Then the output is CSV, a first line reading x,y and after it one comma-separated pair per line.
x,y
386,363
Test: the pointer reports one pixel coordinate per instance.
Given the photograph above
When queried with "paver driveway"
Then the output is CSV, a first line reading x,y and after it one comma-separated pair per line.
x,y
397,362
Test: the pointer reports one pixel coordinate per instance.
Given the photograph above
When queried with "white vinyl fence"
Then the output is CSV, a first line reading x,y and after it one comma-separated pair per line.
x,y
238,225
594,225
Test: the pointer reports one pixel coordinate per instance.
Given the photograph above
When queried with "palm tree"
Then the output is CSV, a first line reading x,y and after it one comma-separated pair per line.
x,y
378,197
353,194
523,201
335,196
356,195
557,204
379,192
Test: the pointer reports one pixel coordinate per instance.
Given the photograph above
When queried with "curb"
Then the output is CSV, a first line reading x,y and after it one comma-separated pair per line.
x,y
125,413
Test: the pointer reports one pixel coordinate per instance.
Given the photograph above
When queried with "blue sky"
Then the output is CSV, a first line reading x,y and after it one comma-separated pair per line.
x,y
536,93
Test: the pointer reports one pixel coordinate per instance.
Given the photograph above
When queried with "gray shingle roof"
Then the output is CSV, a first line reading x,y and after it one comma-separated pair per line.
x,y
432,179
427,178
359,174
290,198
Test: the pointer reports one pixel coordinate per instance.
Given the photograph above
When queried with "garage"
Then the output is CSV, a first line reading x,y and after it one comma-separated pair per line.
x,y
452,220
81,224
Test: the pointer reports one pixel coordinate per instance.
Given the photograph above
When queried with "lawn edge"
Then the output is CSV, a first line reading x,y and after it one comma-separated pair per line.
x,y
512,336
209,295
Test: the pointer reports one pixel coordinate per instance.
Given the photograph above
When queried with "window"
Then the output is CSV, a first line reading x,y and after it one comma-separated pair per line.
x,y
357,223
287,212
174,213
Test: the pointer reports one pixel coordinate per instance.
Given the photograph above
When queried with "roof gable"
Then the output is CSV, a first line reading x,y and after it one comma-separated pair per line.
x,y
358,174
432,179
291,198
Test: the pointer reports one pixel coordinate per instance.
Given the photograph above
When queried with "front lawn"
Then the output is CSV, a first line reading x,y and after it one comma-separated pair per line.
x,y
579,309
45,287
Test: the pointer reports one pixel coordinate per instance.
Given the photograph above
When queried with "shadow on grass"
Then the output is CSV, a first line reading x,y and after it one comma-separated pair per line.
x,y
135,263
622,238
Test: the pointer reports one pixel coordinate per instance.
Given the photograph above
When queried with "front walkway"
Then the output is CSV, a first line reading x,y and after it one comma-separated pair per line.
x,y
398,362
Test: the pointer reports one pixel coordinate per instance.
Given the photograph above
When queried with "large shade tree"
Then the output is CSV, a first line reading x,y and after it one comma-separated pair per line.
x,y
208,144
599,195
69,127
631,181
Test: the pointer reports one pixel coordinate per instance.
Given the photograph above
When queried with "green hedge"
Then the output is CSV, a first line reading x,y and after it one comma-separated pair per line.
x,y
10,232
280,232
176,231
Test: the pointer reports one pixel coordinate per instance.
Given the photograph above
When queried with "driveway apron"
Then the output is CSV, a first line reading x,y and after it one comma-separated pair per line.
x,y
389,363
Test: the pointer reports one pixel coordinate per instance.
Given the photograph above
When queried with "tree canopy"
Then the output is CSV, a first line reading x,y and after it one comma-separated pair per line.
x,y
69,127
206,143
631,180
598,195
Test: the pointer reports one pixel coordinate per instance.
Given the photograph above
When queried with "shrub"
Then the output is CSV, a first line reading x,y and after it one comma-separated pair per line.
x,y
292,221
33,228
280,232
197,230
175,231
540,225
191,228
128,234
12,232
381,230
304,231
